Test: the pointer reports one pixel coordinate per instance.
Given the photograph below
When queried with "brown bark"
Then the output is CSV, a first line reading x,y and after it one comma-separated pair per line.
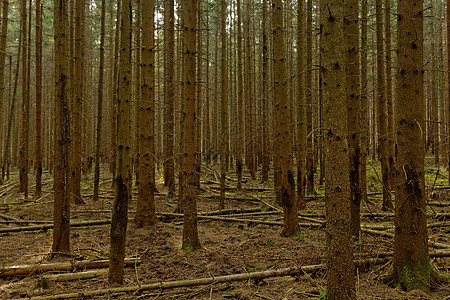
x,y
364,104
169,95
351,31
146,215
38,150
223,104
265,98
190,233
240,99
3,39
389,94
340,276
412,268
383,141
283,135
25,115
309,102
301,110
61,185
100,103
77,98
122,176
448,83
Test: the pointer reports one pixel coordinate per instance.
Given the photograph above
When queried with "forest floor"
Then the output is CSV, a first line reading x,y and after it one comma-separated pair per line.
x,y
228,246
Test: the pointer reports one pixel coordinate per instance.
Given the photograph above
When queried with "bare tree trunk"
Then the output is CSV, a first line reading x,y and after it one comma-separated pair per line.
x,y
364,111
78,97
411,264
240,107
100,103
301,110
3,39
190,232
146,214
351,32
24,136
309,102
38,151
223,105
340,276
382,110
61,211
282,128
265,98
169,95
122,176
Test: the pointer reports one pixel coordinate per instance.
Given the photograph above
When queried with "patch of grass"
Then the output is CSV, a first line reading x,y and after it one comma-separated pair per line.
x,y
270,242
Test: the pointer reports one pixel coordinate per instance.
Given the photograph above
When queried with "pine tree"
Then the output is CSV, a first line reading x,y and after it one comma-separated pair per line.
x,y
340,276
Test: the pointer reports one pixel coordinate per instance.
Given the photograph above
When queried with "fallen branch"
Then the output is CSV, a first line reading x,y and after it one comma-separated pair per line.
x,y
47,280
61,266
226,219
50,226
391,235
204,281
231,211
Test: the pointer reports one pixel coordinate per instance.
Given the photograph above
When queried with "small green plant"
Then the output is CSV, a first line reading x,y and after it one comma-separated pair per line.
x,y
270,242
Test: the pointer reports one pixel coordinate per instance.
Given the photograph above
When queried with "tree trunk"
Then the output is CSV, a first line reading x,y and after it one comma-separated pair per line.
x,y
351,32
383,140
190,233
283,136
309,102
38,150
389,94
364,106
412,267
24,136
122,176
223,104
240,98
77,96
169,95
340,276
100,103
3,39
61,213
146,215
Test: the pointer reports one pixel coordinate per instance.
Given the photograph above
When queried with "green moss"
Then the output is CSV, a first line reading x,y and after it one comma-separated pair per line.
x,y
187,246
411,278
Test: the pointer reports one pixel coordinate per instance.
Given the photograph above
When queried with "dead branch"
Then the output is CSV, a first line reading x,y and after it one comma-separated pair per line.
x,y
204,281
61,266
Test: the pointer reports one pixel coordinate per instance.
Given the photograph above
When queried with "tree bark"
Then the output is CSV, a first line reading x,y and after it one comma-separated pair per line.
x,y
283,135
190,233
340,276
169,94
61,185
100,102
383,140
122,176
351,31
412,267
38,150
146,215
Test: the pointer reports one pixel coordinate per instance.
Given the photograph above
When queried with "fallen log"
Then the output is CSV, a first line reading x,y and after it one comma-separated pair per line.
x,y
204,281
391,235
61,266
227,219
50,226
230,211
47,280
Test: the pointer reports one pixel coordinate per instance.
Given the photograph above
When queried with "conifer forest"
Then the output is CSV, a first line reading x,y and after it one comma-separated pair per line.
x,y
225,149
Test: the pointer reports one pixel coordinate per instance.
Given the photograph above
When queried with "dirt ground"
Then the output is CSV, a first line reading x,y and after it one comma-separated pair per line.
x,y
228,247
